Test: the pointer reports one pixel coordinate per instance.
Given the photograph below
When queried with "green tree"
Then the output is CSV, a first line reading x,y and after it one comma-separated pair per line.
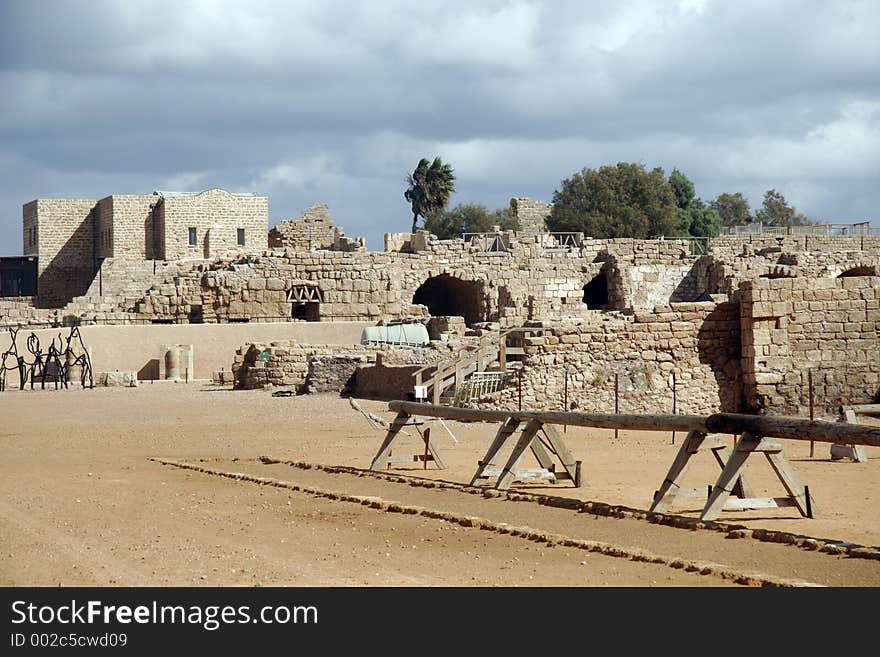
x,y
430,186
733,209
468,218
775,211
615,201
682,187
695,218
702,220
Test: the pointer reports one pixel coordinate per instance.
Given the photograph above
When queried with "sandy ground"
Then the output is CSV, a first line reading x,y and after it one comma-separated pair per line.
x,y
82,503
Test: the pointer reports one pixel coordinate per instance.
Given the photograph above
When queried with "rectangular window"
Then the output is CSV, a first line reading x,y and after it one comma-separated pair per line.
x,y
241,236
192,236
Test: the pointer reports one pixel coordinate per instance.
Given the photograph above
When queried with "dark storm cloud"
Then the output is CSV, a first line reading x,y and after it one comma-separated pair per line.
x,y
337,101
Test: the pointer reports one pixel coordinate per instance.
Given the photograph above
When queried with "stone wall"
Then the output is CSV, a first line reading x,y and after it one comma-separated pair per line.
x,y
30,228
18,311
320,367
313,230
125,226
530,214
216,215
444,277
335,373
793,325
65,247
697,343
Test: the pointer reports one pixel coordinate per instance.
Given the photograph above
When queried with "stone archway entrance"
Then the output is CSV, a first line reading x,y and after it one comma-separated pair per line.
x,y
596,293
446,295
861,270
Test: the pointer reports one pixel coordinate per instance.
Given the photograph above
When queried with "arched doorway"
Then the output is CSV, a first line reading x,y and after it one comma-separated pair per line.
x,y
446,295
596,293
862,270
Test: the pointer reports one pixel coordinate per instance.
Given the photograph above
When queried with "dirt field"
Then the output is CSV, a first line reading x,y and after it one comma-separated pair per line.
x,y
83,502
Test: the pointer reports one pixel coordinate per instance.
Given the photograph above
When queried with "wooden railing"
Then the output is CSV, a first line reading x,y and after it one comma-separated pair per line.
x,y
452,374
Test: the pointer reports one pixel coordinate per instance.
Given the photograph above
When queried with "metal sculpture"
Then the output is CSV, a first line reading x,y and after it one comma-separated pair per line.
x,y
57,362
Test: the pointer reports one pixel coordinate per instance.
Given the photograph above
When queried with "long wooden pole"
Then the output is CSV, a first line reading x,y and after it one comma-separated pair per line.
x,y
565,394
674,402
616,400
596,420
794,428
812,415
760,425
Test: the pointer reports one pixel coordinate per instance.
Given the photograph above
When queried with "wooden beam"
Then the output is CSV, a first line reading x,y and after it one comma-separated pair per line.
x,y
794,428
605,421
866,409
763,425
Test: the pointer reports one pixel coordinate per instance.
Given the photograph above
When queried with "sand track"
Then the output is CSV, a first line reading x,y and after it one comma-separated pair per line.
x,y
82,504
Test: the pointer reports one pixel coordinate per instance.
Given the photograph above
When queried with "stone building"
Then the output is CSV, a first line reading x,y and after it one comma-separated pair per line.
x,y
744,322
71,237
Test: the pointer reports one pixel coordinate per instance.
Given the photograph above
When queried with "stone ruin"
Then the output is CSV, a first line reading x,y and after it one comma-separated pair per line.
x,y
732,323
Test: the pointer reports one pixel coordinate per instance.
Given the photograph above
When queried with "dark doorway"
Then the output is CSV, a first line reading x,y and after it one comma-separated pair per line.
x,y
596,293
864,270
308,311
446,295
18,276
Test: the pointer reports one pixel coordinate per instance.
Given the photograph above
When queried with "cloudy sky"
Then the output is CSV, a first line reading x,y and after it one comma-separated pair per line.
x,y
337,101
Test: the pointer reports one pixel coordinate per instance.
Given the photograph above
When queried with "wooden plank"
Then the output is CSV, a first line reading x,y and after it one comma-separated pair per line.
x,y
434,452
540,452
866,409
504,432
668,490
417,458
791,481
381,458
748,503
525,439
722,454
565,456
731,472
711,441
523,474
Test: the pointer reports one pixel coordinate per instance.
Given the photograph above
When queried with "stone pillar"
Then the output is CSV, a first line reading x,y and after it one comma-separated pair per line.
x,y
176,362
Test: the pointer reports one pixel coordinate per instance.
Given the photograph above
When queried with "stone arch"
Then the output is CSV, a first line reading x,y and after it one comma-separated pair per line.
x,y
596,292
446,295
859,270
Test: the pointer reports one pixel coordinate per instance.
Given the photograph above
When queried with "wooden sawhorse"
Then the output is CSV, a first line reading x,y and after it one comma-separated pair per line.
x,y
528,439
384,459
731,481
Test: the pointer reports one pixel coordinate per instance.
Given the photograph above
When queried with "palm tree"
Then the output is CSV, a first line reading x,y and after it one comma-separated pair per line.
x,y
430,186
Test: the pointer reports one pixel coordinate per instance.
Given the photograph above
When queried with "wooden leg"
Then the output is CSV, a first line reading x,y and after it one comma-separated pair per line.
x,y
671,485
791,481
525,439
746,445
741,488
565,456
431,448
381,458
544,459
504,432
